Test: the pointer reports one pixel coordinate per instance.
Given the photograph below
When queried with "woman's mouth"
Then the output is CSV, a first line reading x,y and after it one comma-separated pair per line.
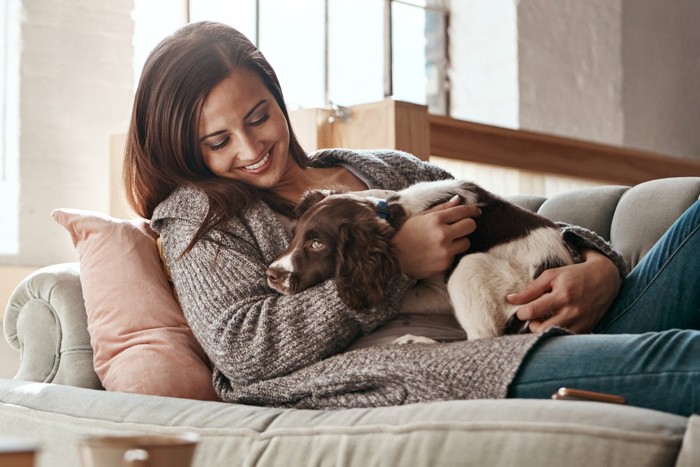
x,y
259,166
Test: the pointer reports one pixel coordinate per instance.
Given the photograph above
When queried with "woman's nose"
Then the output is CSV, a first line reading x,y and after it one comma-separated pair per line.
x,y
246,148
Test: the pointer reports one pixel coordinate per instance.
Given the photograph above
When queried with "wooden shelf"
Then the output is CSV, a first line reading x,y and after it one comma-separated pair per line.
x,y
400,125
537,152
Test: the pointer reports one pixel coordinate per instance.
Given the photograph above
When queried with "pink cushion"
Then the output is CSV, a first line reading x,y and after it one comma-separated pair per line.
x,y
139,335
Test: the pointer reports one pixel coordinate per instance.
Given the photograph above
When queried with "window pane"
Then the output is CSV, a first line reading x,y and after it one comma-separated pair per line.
x,y
409,65
413,2
237,13
419,60
436,62
153,21
356,51
435,4
291,38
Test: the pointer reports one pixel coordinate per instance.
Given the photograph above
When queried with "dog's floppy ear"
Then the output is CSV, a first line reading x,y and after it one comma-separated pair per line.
x,y
309,198
365,262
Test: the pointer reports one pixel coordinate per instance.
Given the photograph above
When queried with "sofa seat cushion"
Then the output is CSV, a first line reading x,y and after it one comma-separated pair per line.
x,y
477,432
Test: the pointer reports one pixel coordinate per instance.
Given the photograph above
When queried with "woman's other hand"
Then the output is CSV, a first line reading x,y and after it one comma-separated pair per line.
x,y
427,242
574,297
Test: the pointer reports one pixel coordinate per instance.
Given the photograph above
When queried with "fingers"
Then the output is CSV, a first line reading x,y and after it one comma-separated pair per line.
x,y
427,245
456,213
453,210
452,202
573,297
460,245
539,305
533,290
565,318
457,223
551,308
539,309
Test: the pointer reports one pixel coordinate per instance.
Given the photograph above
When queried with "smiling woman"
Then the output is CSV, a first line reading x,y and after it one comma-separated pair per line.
x,y
243,132
234,104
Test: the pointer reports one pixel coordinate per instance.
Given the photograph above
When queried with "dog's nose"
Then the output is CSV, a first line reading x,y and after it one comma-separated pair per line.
x,y
276,277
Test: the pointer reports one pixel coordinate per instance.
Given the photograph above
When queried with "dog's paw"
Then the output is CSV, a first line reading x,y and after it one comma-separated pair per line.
x,y
411,339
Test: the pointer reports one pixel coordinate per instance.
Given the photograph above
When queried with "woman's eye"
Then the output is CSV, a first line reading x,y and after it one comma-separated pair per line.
x,y
219,145
261,120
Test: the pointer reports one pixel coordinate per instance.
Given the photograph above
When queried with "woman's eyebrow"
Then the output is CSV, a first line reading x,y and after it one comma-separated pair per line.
x,y
251,112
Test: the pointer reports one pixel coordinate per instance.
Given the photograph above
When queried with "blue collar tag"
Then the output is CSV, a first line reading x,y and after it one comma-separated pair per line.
x,y
382,209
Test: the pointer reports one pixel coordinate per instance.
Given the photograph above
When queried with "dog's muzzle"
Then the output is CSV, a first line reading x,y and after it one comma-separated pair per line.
x,y
280,279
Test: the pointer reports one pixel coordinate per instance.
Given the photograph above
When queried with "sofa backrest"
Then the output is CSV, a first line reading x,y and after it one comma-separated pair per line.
x,y
631,219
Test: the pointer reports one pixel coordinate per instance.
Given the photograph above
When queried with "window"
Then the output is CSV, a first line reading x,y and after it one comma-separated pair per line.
x,y
345,52
356,53
153,21
419,61
291,36
9,127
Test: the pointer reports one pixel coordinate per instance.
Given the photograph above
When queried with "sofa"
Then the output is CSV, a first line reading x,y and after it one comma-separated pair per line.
x,y
56,397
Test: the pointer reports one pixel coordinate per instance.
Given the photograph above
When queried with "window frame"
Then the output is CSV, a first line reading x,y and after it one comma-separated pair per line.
x,y
436,6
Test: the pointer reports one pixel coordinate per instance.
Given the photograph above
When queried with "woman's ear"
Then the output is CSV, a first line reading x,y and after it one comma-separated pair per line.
x,y
364,264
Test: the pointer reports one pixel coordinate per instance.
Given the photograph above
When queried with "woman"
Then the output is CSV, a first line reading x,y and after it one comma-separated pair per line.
x,y
213,162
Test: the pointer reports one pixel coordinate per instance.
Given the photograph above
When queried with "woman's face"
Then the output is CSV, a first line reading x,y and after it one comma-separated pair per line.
x,y
243,132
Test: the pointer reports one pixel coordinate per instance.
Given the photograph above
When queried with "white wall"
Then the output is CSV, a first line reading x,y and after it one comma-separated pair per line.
x,y
661,61
623,72
76,89
570,64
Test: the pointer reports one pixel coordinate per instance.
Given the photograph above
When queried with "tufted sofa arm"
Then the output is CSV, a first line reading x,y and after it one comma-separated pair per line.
x,y
46,321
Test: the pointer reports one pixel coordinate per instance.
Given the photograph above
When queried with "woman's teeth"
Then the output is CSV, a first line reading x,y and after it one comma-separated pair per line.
x,y
258,164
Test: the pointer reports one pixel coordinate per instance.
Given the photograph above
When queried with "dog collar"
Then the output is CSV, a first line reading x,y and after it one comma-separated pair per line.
x,y
382,209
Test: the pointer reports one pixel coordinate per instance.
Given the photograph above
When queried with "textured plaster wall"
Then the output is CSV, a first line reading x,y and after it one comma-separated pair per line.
x,y
570,68
623,72
76,86
661,63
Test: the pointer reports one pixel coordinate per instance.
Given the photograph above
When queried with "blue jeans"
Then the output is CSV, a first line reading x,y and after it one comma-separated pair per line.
x,y
647,346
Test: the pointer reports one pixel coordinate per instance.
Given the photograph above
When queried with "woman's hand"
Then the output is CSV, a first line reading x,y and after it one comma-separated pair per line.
x,y
574,297
427,242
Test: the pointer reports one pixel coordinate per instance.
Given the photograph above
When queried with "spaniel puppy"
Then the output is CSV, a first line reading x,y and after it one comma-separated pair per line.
x,y
347,236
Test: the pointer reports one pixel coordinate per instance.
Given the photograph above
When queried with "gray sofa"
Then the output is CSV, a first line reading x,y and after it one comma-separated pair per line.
x,y
56,398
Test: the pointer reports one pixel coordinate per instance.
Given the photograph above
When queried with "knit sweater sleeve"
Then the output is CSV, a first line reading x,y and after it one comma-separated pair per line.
x,y
250,332
578,238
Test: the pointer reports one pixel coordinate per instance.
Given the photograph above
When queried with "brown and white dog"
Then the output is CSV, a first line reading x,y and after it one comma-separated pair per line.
x,y
347,236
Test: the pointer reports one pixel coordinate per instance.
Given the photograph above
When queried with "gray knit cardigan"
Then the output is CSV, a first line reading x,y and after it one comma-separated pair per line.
x,y
289,351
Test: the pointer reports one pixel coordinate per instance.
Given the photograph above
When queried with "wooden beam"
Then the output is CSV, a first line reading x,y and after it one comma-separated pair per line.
x,y
537,152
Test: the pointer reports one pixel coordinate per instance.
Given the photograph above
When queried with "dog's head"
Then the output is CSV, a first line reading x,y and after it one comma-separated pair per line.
x,y
337,235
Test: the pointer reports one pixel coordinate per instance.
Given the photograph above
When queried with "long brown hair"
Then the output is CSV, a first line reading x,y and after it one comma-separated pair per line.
x,y
162,149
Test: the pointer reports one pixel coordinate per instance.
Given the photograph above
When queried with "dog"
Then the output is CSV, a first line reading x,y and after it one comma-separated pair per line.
x,y
347,236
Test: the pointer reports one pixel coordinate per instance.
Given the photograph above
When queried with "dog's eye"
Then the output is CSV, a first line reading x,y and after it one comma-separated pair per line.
x,y
316,245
